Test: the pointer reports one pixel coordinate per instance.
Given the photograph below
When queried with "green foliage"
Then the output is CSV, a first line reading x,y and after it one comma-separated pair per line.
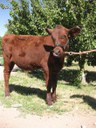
x,y
84,14
0,46
0,41
33,16
76,80
3,6
19,24
1,60
45,14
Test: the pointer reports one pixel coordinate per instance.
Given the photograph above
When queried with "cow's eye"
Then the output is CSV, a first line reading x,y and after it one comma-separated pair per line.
x,y
63,37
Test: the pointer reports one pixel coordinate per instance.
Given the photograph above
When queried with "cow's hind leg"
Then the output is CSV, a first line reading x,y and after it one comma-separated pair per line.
x,y
8,66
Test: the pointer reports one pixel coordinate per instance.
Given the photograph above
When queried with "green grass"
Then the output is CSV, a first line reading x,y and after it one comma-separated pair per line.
x,y
28,93
1,61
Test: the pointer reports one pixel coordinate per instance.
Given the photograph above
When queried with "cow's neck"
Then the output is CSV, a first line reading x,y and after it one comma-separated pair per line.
x,y
49,41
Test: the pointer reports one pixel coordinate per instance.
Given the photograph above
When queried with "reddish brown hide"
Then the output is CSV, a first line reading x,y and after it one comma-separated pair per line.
x,y
46,52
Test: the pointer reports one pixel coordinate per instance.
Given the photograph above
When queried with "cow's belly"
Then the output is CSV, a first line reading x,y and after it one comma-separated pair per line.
x,y
27,62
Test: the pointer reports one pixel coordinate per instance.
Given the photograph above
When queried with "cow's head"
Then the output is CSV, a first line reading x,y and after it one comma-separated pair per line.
x,y
61,36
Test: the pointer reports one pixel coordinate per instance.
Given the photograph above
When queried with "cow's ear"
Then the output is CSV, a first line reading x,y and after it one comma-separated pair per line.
x,y
74,31
49,31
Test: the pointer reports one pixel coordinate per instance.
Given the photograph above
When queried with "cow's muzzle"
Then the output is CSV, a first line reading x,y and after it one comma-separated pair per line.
x,y
58,51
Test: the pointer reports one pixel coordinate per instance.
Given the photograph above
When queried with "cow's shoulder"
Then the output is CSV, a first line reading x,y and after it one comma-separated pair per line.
x,y
8,38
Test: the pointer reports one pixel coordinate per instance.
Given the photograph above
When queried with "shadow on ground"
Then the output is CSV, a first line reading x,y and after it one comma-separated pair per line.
x,y
42,94
87,99
28,91
67,75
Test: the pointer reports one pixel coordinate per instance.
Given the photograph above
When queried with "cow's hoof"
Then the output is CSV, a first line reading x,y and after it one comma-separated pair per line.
x,y
49,99
7,94
54,98
49,102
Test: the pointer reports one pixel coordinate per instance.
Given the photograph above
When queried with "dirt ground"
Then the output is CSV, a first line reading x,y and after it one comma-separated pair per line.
x,y
12,118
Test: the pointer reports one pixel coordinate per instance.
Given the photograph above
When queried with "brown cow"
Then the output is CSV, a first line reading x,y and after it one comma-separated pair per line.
x,y
46,52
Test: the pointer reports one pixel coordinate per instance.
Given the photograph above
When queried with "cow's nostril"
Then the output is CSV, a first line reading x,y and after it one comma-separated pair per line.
x,y
57,51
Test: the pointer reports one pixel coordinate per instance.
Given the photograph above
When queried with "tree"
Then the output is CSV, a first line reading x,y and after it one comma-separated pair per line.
x,y
84,13
45,14
20,14
0,46
33,19
33,16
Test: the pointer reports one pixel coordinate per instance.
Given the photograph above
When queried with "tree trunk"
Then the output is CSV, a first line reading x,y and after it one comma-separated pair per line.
x,y
83,77
82,69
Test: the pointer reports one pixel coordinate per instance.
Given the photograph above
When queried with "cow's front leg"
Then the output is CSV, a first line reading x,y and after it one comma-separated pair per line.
x,y
54,86
48,95
48,86
51,88
49,98
53,95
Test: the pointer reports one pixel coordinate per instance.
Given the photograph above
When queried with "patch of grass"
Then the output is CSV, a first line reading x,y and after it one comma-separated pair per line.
x,y
1,61
28,94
